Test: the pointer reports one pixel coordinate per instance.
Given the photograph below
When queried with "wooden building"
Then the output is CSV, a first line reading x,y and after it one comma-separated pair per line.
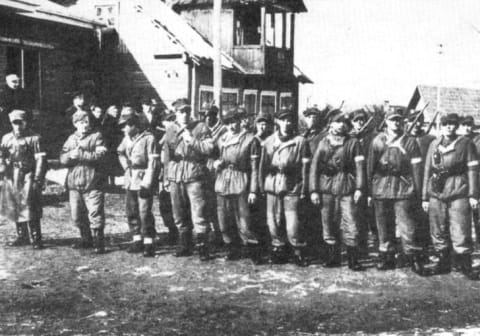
x,y
52,50
164,50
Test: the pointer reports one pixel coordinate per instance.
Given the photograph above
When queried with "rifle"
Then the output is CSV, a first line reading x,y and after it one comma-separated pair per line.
x,y
429,128
365,126
417,117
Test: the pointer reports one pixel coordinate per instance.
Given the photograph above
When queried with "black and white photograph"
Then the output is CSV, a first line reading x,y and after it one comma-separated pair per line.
x,y
240,167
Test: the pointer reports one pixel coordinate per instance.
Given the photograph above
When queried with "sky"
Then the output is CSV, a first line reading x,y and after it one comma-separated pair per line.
x,y
368,51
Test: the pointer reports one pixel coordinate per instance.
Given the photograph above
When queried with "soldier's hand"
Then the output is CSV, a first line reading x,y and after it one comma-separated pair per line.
x,y
74,154
425,206
369,201
315,198
187,136
356,196
217,164
252,198
473,203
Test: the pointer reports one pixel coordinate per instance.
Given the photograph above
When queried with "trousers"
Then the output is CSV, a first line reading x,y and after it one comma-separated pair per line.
x,y
87,208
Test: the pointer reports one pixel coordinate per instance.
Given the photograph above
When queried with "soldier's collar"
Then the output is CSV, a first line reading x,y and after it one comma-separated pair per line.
x,y
336,140
448,148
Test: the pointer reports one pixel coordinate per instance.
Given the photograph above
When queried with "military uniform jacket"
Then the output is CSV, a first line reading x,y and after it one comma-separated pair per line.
x,y
313,136
216,132
139,158
282,165
237,152
393,167
424,141
459,160
186,161
22,159
84,172
338,167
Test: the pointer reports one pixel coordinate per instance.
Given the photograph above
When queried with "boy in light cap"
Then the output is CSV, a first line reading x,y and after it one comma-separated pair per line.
x,y
83,153
23,163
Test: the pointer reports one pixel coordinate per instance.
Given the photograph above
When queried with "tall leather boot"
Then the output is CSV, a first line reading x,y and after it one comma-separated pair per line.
x,y
86,240
386,261
465,266
234,252
185,248
136,246
443,265
203,247
99,241
352,256
416,261
36,234
333,256
22,235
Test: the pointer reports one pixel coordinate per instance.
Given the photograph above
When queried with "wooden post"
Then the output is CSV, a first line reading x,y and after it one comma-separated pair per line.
x,y
284,30
217,61
263,26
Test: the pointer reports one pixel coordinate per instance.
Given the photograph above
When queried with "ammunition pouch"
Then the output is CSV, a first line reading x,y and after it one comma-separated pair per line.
x,y
439,177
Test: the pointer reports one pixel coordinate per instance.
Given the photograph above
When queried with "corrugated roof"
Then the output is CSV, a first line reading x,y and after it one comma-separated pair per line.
x,y
49,11
291,5
464,101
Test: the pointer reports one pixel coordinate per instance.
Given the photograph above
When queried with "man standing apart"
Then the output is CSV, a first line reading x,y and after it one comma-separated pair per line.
x,y
23,162
284,177
12,97
139,157
450,194
394,166
83,154
186,148
337,178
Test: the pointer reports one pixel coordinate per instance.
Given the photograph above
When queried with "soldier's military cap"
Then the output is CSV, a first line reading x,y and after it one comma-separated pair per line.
x,y
182,104
128,115
79,115
231,115
311,111
169,116
413,115
17,115
263,117
394,113
284,113
359,114
468,120
144,100
450,119
76,94
339,116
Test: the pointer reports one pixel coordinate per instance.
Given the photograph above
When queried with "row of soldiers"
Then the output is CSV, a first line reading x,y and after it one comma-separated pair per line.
x,y
293,182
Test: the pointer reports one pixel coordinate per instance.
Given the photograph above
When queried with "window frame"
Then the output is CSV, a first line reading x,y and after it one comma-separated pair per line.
x,y
284,94
251,92
269,94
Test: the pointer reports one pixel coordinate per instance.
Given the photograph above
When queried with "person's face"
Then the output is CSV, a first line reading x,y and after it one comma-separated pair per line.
x,y
311,120
97,112
394,124
82,126
337,127
13,82
79,101
449,129
211,119
233,126
113,111
285,125
18,126
466,129
129,129
358,124
261,127
245,123
182,116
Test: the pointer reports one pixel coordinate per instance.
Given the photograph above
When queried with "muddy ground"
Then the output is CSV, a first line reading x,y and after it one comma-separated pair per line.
x,y
62,291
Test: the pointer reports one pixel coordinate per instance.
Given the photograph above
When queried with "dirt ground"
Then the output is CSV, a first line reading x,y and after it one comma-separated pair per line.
x,y
62,291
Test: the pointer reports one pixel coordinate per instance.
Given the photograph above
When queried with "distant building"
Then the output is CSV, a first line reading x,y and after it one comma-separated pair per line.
x,y
463,101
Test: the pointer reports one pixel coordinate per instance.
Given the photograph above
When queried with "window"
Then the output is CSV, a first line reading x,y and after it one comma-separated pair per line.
x,y
229,97
107,14
268,102
286,100
250,101
247,25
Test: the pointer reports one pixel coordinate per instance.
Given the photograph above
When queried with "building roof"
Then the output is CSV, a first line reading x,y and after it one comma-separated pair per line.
x,y
182,34
300,76
464,101
49,11
288,5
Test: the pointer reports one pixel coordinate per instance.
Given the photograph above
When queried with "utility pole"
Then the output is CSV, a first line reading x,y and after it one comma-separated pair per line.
x,y
217,60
